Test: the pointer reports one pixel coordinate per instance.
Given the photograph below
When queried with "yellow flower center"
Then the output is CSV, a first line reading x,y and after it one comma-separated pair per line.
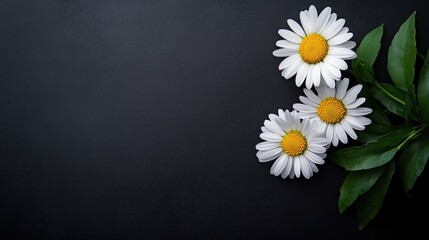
x,y
331,110
313,48
294,143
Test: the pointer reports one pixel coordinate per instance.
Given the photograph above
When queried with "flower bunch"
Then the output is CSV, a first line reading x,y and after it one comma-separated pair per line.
x,y
315,53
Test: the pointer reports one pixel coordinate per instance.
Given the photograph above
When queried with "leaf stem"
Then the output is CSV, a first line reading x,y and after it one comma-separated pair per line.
x,y
389,94
414,133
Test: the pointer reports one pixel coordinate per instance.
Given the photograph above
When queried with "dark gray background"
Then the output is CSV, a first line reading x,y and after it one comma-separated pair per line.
x,y
138,120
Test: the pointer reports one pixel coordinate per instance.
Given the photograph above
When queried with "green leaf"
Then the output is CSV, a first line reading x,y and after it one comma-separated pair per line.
x,y
370,155
363,72
356,184
402,55
370,203
413,160
394,102
375,131
369,47
423,91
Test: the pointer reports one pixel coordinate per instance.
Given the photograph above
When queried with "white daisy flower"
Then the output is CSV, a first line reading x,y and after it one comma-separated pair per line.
x,y
336,109
297,146
316,51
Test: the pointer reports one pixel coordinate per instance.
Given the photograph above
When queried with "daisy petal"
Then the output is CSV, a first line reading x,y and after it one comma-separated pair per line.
x,y
329,80
296,27
307,101
342,88
335,72
305,22
356,103
359,111
340,38
313,97
314,157
301,74
336,62
334,28
288,167
339,131
305,167
297,167
266,156
290,36
264,146
287,62
349,130
287,45
278,165
343,53
316,75
351,94
270,137
284,52
348,44
313,17
273,127
323,19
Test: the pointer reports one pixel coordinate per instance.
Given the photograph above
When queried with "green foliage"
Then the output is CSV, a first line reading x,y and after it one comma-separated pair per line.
x,y
372,165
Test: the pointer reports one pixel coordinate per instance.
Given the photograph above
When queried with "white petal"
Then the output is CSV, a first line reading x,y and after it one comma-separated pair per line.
x,y
313,97
296,27
343,53
331,20
293,69
287,45
290,120
284,52
313,17
334,28
279,121
304,108
323,19
305,167
356,103
266,156
349,130
309,80
336,62
329,80
278,165
354,122
297,167
305,22
340,38
264,146
348,44
313,166
301,74
335,72
273,127
335,139
286,170
330,132
359,111
339,131
281,114
342,88
351,94
289,61
264,129
314,157
307,101
271,137
316,75
290,36
322,92
316,148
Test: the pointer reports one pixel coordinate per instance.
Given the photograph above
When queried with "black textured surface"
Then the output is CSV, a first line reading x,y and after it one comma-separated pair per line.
x,y
138,120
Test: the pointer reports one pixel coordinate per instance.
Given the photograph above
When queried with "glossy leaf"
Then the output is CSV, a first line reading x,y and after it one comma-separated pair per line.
x,y
423,91
370,203
394,106
356,184
376,131
371,155
402,55
413,160
369,47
